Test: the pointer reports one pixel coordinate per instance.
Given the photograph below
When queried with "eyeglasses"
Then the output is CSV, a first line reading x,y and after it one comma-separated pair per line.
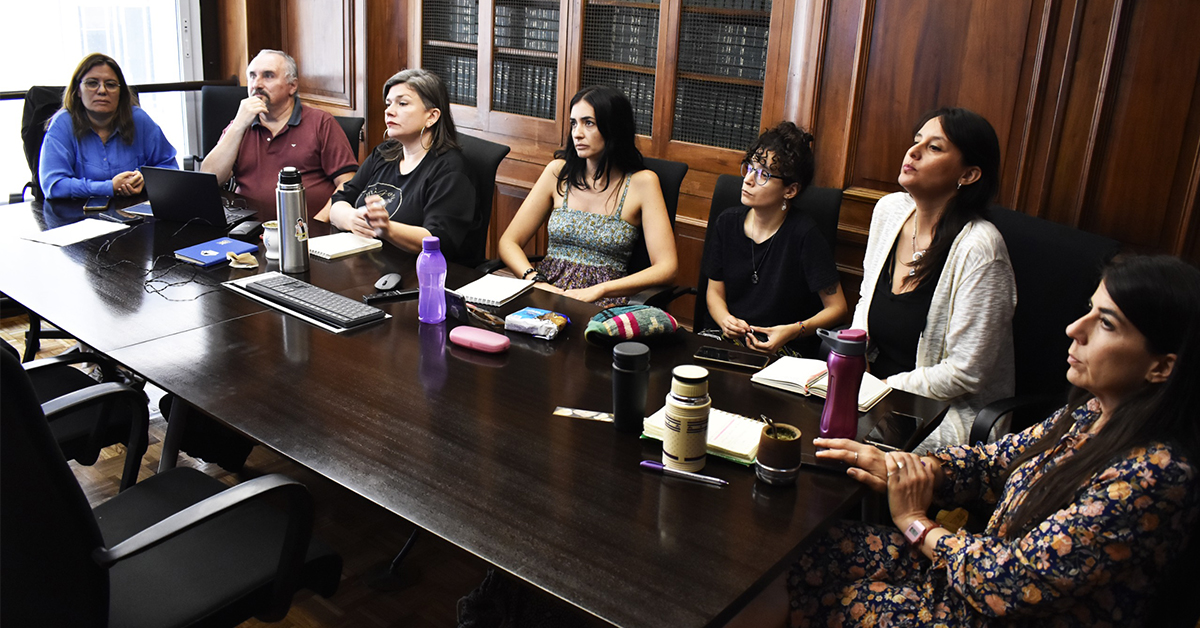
x,y
93,85
761,174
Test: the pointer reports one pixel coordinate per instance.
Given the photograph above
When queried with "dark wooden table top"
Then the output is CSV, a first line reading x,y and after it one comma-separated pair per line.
x,y
464,444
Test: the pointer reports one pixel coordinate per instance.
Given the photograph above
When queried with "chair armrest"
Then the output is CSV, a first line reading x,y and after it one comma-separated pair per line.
x,y
108,394
494,265
107,365
992,413
660,296
295,543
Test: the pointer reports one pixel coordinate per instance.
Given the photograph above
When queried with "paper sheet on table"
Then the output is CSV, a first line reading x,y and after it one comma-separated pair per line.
x,y
76,232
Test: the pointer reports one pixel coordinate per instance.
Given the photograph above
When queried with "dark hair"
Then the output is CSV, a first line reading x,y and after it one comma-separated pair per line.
x,y
976,140
432,92
790,148
73,101
614,120
1160,296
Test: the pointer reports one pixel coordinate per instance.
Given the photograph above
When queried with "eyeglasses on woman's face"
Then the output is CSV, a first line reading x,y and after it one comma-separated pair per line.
x,y
761,174
93,85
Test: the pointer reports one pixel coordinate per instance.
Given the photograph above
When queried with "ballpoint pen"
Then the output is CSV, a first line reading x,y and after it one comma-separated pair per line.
x,y
685,475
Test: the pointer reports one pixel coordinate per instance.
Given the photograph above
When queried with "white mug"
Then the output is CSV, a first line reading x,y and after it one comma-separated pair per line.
x,y
271,238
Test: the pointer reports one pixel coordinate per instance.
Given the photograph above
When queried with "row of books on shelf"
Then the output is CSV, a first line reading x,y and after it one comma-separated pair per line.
x,y
715,114
524,88
623,35
460,73
639,88
452,20
526,27
739,5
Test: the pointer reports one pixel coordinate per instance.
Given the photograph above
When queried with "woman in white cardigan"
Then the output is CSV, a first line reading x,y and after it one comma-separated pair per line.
x,y
938,291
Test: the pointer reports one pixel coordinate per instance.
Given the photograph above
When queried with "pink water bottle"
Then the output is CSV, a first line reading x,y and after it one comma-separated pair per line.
x,y
847,362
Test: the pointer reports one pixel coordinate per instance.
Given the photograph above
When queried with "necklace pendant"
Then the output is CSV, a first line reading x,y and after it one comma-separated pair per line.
x,y
754,278
912,272
917,255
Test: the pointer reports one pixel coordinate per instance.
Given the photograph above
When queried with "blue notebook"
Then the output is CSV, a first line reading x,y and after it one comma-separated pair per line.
x,y
213,252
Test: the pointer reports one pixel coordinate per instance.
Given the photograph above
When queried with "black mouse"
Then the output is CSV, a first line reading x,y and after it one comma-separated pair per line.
x,y
390,281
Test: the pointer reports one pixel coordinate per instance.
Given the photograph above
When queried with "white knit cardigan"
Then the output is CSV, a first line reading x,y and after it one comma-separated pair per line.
x,y
965,353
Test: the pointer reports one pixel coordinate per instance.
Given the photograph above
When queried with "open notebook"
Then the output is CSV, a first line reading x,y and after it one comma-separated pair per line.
x,y
809,377
730,436
494,290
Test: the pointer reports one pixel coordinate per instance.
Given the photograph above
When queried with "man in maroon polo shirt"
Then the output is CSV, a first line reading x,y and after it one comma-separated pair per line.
x,y
272,130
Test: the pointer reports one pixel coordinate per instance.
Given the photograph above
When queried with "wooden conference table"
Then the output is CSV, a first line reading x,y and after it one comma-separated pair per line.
x,y
459,443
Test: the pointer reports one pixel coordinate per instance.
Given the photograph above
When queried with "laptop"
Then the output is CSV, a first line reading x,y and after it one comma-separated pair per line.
x,y
184,195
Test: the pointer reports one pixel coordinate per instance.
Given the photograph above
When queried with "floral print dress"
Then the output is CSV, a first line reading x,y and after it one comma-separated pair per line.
x,y
1092,563
586,248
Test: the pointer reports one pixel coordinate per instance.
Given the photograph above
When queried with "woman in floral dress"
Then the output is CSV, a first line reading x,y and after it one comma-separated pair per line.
x,y
1090,506
598,198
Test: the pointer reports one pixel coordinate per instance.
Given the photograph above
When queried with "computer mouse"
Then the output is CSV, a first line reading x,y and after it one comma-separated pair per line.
x,y
389,281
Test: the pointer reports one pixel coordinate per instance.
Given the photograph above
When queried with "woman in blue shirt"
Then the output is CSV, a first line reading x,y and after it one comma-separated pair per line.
x,y
79,155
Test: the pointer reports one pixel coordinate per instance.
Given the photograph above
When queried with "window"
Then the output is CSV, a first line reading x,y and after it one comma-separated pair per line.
x,y
144,36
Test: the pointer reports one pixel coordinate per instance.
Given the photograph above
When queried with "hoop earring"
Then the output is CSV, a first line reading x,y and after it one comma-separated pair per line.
x,y
422,138
960,185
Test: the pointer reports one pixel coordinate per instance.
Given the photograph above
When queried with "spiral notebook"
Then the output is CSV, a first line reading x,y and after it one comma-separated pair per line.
x,y
809,377
337,245
494,290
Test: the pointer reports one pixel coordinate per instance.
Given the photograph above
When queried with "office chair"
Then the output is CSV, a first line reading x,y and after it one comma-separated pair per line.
x,y
670,180
483,157
218,106
1057,268
40,105
81,434
179,549
353,128
823,205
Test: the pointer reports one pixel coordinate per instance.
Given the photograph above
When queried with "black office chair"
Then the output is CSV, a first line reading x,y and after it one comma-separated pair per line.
x,y
179,549
823,205
1057,268
218,106
483,157
353,128
41,103
81,434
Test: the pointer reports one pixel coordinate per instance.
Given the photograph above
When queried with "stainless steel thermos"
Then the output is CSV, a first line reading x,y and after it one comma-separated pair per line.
x,y
293,222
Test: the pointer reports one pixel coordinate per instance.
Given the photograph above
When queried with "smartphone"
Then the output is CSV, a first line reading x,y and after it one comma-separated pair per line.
x,y
121,217
893,432
96,203
736,358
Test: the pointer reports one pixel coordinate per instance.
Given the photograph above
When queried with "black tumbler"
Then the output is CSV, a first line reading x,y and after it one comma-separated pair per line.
x,y
631,378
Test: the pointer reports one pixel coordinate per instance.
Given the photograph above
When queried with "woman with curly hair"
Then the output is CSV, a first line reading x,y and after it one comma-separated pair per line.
x,y
772,280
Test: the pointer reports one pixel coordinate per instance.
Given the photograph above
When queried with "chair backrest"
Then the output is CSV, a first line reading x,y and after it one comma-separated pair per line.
x,y
353,127
218,106
49,577
1057,268
40,105
823,205
670,179
483,157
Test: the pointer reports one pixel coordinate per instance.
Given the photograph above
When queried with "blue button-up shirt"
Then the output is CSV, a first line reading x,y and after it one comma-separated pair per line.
x,y
72,167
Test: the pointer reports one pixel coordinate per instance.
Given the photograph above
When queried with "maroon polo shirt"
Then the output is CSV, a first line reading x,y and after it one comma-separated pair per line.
x,y
312,141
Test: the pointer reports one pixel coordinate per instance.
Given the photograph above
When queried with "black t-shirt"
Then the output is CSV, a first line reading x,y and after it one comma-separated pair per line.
x,y
438,195
793,265
898,320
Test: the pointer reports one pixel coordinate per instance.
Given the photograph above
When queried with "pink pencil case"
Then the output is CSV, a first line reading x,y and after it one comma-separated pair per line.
x,y
479,339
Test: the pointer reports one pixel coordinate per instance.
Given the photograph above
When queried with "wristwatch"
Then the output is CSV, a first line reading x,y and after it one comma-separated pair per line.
x,y
916,531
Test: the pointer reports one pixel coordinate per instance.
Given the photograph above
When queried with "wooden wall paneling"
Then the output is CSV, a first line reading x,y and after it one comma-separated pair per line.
x,y
1102,110
1188,241
322,36
804,61
483,76
858,79
537,129
508,201
666,66
929,55
1029,100
1142,157
1062,26
832,117
689,245
779,48
263,28
387,37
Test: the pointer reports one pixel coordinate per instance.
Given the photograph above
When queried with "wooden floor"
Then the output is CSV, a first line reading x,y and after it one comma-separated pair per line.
x,y
365,534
